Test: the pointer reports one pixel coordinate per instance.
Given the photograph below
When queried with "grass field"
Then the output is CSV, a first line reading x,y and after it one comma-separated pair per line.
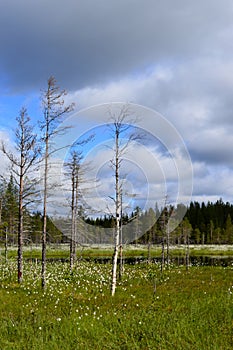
x,y
178,309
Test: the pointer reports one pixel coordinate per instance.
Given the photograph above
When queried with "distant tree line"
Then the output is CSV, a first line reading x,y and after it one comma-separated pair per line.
x,y
205,223
211,222
32,150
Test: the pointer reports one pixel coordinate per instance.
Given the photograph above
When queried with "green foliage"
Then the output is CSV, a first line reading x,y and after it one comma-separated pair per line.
x,y
10,210
211,220
188,310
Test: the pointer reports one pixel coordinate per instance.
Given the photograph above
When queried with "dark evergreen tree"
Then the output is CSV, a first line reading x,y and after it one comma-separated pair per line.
x,y
228,232
10,210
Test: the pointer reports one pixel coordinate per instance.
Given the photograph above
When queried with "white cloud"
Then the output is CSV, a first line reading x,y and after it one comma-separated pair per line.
x,y
4,161
214,184
172,56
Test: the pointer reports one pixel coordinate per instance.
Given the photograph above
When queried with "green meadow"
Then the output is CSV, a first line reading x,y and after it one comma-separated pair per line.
x,y
61,251
176,309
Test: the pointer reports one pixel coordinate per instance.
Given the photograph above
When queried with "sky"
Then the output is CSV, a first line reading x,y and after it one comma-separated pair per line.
x,y
174,57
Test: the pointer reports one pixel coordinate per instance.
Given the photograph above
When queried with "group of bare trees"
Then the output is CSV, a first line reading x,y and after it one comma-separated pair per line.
x,y
33,151
29,153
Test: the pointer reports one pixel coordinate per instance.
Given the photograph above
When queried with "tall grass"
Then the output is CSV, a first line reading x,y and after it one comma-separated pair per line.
x,y
176,310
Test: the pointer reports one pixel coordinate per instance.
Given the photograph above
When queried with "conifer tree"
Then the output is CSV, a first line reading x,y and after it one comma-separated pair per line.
x,y
10,209
22,165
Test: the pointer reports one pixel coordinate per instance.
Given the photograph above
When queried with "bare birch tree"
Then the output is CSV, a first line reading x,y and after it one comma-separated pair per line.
x,y
54,109
121,126
74,171
163,221
22,165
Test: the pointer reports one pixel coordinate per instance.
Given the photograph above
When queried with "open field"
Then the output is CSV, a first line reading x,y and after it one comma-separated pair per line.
x,y
106,251
178,309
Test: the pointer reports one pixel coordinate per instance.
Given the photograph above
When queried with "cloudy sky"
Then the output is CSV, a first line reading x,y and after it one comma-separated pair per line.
x,y
172,56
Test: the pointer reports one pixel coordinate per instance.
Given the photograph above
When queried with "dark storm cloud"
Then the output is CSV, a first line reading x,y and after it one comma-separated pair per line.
x,y
91,42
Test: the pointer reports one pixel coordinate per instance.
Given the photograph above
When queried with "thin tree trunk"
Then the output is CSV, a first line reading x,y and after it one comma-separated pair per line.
x,y
6,245
114,266
74,165
163,239
121,242
148,252
0,211
72,222
121,271
20,228
21,190
187,252
75,217
163,254
117,229
44,234
168,245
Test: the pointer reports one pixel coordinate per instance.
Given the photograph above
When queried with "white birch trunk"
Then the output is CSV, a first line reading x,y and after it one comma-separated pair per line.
x,y
44,233
117,229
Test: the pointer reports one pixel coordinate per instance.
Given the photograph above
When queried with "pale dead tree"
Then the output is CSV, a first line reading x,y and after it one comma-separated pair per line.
x,y
186,229
170,213
3,226
163,221
55,110
75,172
166,228
76,169
123,132
75,180
22,165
